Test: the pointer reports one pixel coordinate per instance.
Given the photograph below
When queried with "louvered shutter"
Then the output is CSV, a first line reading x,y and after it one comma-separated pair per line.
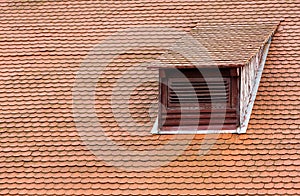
x,y
204,103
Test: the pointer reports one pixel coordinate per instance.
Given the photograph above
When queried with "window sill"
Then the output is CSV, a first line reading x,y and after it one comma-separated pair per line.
x,y
184,132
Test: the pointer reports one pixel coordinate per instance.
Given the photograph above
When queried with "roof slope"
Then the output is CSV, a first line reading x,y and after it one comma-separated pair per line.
x,y
43,44
227,44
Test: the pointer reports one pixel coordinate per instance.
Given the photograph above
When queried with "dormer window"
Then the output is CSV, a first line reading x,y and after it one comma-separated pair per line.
x,y
200,98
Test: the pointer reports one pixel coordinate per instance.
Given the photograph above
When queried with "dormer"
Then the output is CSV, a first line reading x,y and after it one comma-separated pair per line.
x,y
215,91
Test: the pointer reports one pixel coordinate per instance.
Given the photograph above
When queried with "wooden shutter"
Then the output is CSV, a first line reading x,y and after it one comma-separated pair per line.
x,y
191,101
192,91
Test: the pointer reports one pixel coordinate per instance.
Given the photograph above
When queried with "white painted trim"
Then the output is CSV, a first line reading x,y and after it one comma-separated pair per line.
x,y
185,132
154,129
244,124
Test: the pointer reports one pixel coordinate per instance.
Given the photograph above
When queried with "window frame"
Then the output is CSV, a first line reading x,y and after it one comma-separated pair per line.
x,y
232,104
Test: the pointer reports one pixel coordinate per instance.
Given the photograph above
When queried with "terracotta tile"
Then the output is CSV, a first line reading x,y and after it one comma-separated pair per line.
x,y
39,140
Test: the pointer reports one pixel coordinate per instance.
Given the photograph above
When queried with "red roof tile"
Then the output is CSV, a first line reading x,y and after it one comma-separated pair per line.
x,y
43,45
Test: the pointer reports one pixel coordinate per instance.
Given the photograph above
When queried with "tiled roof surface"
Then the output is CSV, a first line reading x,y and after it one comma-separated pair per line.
x,y
227,44
43,44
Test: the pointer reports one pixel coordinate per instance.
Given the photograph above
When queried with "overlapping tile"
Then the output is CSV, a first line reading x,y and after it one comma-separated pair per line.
x,y
43,44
